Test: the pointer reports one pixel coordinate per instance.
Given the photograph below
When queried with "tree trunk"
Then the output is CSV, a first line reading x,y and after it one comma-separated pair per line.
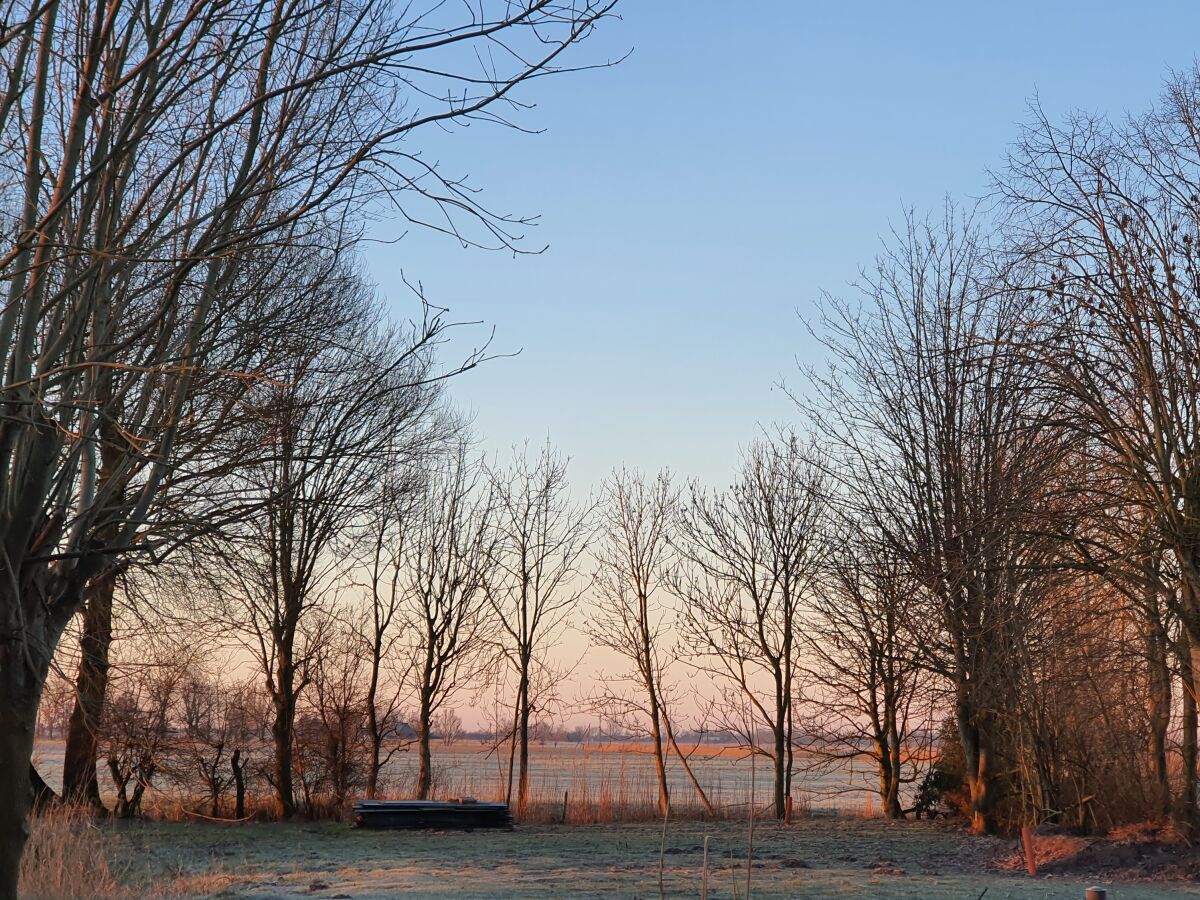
x,y
373,727
1158,703
978,768
376,745
122,809
892,806
512,753
660,764
43,794
20,702
889,775
82,750
24,662
1189,666
523,740
239,784
282,733
780,753
424,766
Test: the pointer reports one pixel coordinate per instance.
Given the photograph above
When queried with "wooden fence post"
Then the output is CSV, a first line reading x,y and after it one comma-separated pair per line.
x,y
1095,893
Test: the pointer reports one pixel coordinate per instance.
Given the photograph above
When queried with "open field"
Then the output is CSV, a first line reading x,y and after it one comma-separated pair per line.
x,y
822,857
602,781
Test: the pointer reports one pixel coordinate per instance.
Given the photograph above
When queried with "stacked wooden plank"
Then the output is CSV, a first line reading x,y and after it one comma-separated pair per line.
x,y
464,813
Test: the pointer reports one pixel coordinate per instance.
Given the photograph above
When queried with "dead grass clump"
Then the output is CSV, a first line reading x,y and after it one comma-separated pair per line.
x,y
1165,833
66,857
1051,851
184,883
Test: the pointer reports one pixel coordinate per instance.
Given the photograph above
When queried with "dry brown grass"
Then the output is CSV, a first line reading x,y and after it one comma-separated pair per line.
x,y
68,857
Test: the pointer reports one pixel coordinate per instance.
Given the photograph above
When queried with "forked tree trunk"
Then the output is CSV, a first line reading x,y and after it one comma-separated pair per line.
x,y
888,751
978,769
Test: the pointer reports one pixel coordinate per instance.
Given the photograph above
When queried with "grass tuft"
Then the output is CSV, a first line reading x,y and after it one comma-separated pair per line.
x,y
66,858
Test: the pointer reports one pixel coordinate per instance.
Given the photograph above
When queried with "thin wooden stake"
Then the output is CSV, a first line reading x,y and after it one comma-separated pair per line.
x,y
1030,858
704,872
564,818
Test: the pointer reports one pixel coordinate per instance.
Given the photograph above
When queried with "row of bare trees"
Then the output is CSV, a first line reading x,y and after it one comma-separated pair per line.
x,y
175,725
385,574
994,521
803,604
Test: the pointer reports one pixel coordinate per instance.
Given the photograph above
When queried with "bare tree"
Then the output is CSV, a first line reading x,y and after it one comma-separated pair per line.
x,y
447,726
752,555
349,410
939,417
448,629
273,298
382,627
137,735
541,535
633,561
337,705
218,734
873,698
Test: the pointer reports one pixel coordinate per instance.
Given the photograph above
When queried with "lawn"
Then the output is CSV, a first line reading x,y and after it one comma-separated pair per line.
x,y
824,857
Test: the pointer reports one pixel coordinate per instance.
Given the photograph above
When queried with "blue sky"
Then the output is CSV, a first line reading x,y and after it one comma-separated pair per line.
x,y
698,198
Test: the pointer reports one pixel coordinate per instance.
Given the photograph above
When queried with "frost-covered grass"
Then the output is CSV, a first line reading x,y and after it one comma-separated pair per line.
x,y
818,858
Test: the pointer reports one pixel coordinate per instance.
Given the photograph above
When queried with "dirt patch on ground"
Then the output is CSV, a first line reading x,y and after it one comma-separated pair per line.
x,y
1144,852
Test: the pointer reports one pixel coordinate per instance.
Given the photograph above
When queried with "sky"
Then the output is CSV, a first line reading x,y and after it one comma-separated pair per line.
x,y
698,198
